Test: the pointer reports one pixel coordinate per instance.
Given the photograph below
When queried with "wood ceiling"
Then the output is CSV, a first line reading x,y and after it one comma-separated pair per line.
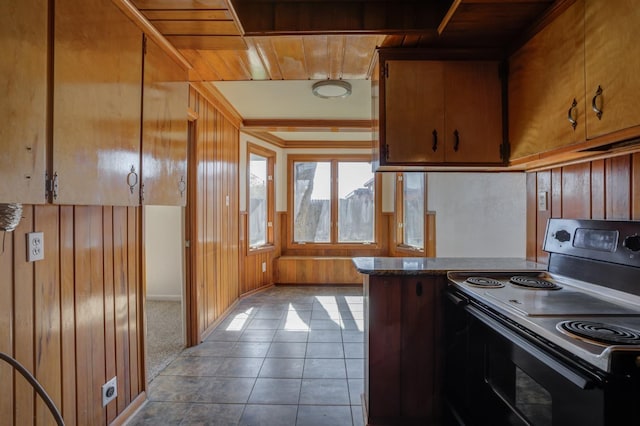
x,y
249,40
322,39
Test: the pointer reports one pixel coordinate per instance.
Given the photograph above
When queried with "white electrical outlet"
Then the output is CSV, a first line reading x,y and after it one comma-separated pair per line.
x,y
264,266
109,391
35,246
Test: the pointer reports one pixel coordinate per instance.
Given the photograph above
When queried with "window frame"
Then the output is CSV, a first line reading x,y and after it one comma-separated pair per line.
x,y
270,232
333,241
399,216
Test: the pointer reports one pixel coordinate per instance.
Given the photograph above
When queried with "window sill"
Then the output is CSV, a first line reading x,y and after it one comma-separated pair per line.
x,y
260,249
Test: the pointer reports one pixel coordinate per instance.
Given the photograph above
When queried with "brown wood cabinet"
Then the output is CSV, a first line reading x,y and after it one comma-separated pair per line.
x,y
403,349
612,63
97,85
434,112
546,77
584,61
164,129
23,107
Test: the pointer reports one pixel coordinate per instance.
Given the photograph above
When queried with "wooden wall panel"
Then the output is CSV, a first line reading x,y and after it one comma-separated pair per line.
x,y
251,276
618,188
600,189
23,319
73,317
216,244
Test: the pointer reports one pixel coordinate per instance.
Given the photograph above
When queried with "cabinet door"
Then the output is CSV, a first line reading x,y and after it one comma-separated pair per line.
x,y
421,348
413,121
473,109
97,78
612,55
164,129
545,76
23,108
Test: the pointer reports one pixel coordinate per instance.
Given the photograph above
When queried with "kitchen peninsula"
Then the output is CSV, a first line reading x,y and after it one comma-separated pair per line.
x,y
404,333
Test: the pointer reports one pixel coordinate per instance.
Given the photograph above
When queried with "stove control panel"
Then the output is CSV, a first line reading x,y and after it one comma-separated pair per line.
x,y
606,240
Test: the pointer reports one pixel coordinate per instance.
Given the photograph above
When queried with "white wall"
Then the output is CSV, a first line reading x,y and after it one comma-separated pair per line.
x,y
478,214
164,252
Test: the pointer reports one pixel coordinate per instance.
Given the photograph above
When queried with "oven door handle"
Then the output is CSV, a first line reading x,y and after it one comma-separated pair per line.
x,y
561,369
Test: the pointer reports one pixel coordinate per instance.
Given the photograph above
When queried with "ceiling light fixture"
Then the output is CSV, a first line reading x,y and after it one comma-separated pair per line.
x,y
328,89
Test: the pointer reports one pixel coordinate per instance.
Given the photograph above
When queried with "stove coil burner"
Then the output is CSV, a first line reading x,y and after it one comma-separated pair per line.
x,y
598,332
484,282
533,283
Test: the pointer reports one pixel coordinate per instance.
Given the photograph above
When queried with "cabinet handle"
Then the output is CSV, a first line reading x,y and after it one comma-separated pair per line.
x,y
456,143
572,120
594,105
434,147
418,288
132,179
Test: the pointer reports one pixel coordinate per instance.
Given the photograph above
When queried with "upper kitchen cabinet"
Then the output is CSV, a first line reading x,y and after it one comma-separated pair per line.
x,y
23,108
612,55
437,112
97,77
546,88
164,129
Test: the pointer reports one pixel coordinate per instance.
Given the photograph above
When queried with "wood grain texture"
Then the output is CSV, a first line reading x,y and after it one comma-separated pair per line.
x,y
215,240
164,129
413,99
618,188
612,58
316,270
7,331
403,349
23,300
545,76
600,189
60,310
97,78
23,107
473,110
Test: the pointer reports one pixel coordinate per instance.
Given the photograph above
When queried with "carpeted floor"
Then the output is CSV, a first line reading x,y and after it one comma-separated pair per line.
x,y
164,335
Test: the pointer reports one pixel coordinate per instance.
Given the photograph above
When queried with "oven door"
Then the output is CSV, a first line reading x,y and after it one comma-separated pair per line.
x,y
532,385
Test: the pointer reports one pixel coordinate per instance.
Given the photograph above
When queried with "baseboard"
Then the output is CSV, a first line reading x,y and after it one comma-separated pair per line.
x,y
128,413
164,298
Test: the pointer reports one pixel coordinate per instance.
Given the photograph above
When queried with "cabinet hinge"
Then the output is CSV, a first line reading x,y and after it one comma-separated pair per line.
x,y
386,70
51,186
141,192
144,44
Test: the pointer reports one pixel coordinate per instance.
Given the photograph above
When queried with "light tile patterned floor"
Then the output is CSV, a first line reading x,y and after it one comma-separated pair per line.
x,y
286,356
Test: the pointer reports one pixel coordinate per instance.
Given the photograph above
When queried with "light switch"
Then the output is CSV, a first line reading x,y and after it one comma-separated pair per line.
x,y
542,201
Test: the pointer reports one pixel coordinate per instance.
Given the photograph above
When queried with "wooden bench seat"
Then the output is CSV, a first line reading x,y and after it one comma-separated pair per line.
x,y
316,270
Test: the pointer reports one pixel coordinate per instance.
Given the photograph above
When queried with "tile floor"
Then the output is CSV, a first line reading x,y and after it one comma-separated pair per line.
x,y
285,356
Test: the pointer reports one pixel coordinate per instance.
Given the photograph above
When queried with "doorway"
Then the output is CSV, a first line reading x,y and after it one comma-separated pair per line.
x,y
164,271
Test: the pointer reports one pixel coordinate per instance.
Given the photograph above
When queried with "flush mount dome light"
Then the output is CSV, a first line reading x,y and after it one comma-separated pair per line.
x,y
331,89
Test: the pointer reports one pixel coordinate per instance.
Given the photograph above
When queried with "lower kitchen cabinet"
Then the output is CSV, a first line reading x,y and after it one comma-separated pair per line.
x,y
404,335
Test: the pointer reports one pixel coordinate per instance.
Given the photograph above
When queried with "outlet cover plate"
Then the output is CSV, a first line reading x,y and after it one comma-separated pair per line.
x,y
35,246
109,391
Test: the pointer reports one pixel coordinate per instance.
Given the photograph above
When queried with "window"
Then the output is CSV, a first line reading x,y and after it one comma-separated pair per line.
x,y
260,193
410,209
328,192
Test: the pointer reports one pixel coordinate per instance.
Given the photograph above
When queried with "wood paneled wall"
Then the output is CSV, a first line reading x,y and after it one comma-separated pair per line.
x,y
73,319
216,211
601,189
251,276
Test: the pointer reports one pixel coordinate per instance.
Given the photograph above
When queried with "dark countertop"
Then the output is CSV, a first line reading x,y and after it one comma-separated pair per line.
x,y
440,265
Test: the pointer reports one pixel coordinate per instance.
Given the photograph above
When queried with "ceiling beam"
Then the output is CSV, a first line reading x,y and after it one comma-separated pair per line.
x,y
292,125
